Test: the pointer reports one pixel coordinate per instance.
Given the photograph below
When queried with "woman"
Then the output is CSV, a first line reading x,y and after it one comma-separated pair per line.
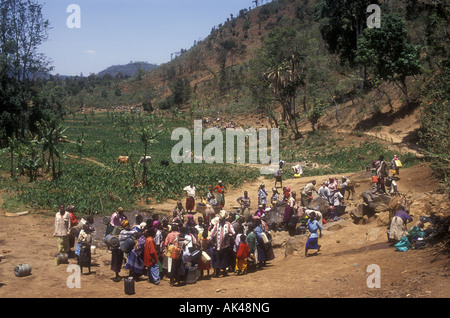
x,y
313,240
220,189
211,197
178,270
291,208
262,195
116,261
395,164
150,257
397,228
85,241
135,262
382,172
264,249
221,235
190,197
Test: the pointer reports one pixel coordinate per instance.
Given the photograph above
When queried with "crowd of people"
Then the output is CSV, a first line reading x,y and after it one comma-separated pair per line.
x,y
216,243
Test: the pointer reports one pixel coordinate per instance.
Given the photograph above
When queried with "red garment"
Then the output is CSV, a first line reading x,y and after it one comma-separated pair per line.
x,y
243,251
219,189
150,253
73,220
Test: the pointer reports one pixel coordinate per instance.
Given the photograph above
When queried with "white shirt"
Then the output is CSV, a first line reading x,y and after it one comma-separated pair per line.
x,y
190,191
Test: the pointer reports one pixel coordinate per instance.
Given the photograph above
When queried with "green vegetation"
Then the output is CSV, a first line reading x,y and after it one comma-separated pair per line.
x,y
95,182
332,159
289,61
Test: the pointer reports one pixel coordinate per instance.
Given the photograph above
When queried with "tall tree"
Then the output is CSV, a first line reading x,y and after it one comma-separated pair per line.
x,y
22,30
387,53
341,24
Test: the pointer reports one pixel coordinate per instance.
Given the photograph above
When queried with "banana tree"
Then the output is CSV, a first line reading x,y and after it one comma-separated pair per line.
x,y
51,132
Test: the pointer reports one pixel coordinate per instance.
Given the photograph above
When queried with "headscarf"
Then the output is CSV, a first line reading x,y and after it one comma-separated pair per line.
x,y
223,214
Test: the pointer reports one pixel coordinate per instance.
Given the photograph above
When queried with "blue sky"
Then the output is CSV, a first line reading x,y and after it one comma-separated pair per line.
x,y
119,31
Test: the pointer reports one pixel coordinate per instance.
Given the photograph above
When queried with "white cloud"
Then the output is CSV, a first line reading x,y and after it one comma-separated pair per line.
x,y
91,52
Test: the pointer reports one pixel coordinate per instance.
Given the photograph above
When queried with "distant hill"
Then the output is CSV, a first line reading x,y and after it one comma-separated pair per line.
x,y
129,69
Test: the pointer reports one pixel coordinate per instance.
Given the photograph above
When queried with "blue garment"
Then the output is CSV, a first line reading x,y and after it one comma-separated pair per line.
x,y
313,226
153,274
135,261
404,216
312,244
260,243
262,195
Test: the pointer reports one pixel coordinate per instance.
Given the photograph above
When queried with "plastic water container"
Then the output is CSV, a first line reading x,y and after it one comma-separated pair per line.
x,y
129,285
22,270
112,241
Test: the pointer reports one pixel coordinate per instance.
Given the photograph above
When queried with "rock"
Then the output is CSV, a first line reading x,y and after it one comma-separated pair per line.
x,y
279,239
376,202
372,234
319,204
383,218
360,211
276,214
17,213
295,243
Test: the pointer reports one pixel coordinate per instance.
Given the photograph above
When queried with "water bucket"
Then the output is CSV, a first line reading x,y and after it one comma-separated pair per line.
x,y
127,245
22,270
75,231
264,238
105,220
205,257
191,276
112,241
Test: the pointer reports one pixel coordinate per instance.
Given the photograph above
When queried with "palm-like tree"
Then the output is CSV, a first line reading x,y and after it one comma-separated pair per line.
x,y
51,131
285,79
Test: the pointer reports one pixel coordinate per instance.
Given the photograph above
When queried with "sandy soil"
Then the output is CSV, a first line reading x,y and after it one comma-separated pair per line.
x,y
338,271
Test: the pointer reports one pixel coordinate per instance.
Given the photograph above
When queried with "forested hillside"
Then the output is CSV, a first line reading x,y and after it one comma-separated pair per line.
x,y
304,66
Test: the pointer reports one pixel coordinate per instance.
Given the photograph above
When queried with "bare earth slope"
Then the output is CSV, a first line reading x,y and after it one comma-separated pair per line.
x,y
338,271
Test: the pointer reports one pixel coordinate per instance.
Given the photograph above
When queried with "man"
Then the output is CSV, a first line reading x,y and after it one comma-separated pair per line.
x,y
324,191
307,193
244,202
190,197
221,235
61,229
382,172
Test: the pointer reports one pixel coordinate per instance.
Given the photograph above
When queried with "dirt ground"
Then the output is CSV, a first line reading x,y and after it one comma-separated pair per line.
x,y
339,270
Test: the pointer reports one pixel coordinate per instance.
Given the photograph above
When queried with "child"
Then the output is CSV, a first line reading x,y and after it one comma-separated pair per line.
x,y
205,245
242,254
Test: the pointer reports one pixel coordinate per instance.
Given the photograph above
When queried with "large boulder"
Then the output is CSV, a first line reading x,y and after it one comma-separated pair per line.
x,y
319,204
376,202
296,244
276,214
